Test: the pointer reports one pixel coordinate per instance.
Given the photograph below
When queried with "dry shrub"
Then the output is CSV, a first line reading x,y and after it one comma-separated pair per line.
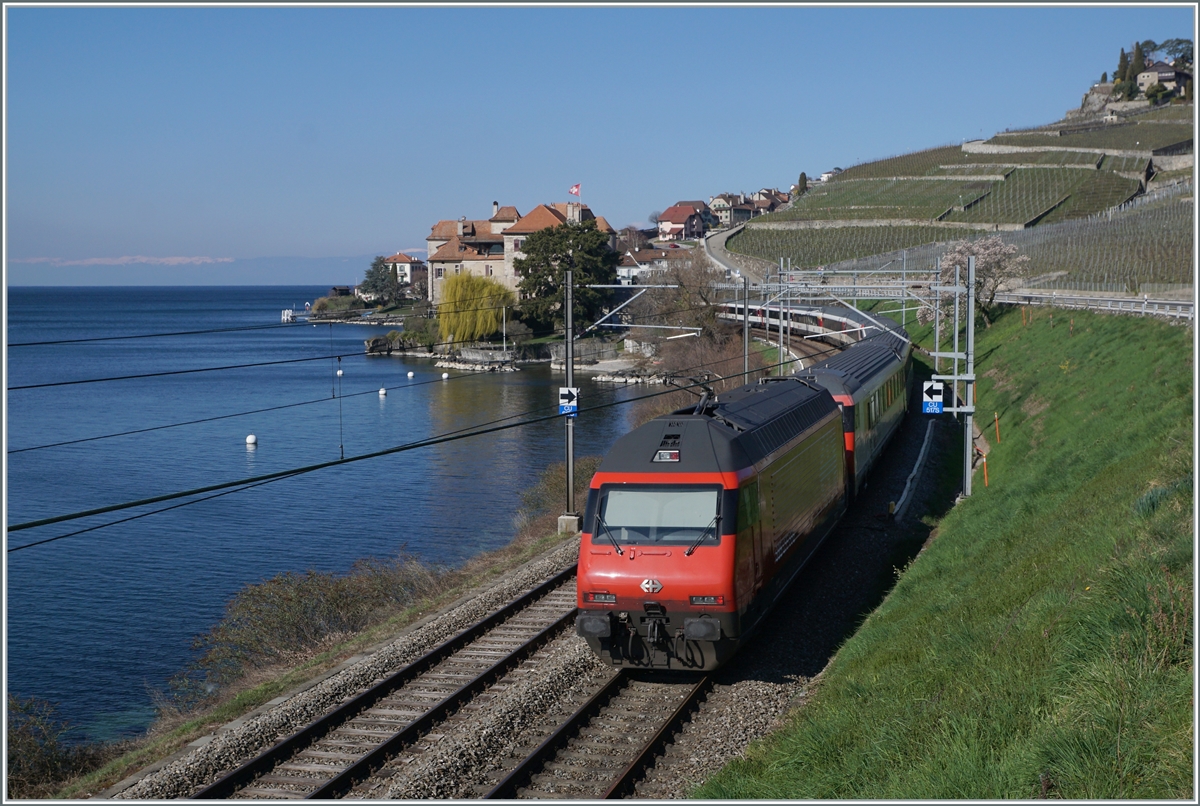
x,y
291,616
40,759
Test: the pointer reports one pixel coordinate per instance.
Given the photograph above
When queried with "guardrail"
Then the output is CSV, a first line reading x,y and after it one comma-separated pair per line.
x,y
1175,309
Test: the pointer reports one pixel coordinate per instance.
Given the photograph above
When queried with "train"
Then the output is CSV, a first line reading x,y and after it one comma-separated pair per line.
x,y
697,521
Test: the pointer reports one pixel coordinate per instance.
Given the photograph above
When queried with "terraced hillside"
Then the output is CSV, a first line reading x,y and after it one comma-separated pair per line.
x,y
1142,136
1020,181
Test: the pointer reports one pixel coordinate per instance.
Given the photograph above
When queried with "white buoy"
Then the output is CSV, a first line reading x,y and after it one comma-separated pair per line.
x,y
339,373
410,373
382,392
445,375
251,440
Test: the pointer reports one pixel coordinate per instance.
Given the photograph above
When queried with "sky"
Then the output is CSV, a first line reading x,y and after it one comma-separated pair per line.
x,y
220,145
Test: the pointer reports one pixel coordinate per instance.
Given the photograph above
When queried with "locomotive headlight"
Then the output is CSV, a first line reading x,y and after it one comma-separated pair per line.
x,y
708,600
666,456
600,598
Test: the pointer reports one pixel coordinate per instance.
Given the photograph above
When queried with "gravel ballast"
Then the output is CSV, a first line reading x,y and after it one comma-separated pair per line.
x,y
229,748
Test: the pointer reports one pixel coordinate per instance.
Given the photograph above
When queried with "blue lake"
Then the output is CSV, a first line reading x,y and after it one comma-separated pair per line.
x,y
97,621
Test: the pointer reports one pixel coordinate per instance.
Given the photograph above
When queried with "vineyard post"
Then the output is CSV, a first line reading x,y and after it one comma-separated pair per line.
x,y
904,288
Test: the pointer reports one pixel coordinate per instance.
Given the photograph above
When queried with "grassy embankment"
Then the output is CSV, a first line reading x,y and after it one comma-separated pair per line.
x,y
1041,645
277,635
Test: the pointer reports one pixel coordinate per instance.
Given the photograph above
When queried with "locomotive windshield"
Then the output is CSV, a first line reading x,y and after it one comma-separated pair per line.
x,y
658,514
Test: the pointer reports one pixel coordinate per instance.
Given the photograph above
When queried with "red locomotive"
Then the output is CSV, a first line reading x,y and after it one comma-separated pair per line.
x,y
697,521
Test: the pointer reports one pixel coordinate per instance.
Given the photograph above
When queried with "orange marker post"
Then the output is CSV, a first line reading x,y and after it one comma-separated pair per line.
x,y
997,416
985,478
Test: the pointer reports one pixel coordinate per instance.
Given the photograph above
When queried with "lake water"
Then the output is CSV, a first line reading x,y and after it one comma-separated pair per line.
x,y
97,621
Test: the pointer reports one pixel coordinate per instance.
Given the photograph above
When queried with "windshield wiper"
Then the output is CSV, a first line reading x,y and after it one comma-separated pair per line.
x,y
600,522
703,535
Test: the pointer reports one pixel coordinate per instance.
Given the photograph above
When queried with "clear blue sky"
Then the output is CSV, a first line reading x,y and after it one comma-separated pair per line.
x,y
140,134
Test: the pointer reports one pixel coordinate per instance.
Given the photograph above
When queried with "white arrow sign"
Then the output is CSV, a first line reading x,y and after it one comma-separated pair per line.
x,y
568,400
931,397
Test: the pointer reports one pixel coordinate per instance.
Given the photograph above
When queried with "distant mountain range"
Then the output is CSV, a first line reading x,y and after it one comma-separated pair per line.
x,y
223,271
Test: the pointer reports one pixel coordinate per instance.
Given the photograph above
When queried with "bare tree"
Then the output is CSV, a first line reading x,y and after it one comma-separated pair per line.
x,y
631,239
713,355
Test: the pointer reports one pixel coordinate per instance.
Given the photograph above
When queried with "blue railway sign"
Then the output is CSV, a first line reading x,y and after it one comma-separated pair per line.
x,y
931,397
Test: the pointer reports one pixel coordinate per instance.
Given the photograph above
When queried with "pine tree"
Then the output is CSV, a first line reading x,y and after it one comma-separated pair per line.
x,y
802,184
1104,78
1122,67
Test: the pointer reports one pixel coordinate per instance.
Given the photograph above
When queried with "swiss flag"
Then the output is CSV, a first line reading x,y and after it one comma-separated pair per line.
x,y
574,191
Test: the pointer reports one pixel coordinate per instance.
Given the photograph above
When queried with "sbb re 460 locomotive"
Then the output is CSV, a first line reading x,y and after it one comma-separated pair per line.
x,y
698,520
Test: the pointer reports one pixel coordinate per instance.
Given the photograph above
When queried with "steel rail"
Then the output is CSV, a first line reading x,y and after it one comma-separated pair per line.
x,y
507,788
345,780
285,748
625,782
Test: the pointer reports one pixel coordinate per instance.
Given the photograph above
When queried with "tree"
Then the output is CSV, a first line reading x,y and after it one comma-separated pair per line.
x,y
1149,49
714,355
551,251
1176,50
1137,64
1104,78
654,214
380,281
1122,67
996,264
1155,91
471,307
1125,90
802,184
631,239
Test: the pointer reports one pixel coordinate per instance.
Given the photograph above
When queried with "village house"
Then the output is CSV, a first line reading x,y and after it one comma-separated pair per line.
x,y
679,223
635,266
403,267
731,209
706,213
1162,73
488,248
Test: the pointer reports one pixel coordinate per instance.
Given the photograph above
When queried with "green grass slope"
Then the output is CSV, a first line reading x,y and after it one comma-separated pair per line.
x,y
1041,645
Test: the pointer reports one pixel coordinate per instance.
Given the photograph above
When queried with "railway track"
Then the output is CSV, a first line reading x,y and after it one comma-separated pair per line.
x,y
329,757
603,749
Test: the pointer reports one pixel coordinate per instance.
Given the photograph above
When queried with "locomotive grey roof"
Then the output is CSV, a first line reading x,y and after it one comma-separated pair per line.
x,y
739,429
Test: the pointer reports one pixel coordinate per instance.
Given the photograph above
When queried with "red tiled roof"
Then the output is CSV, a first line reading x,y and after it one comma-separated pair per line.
x,y
455,250
604,226
644,256
678,214
508,213
400,257
538,218
449,228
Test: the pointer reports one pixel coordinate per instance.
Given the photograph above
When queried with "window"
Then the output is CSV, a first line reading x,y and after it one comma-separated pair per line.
x,y
663,514
438,272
